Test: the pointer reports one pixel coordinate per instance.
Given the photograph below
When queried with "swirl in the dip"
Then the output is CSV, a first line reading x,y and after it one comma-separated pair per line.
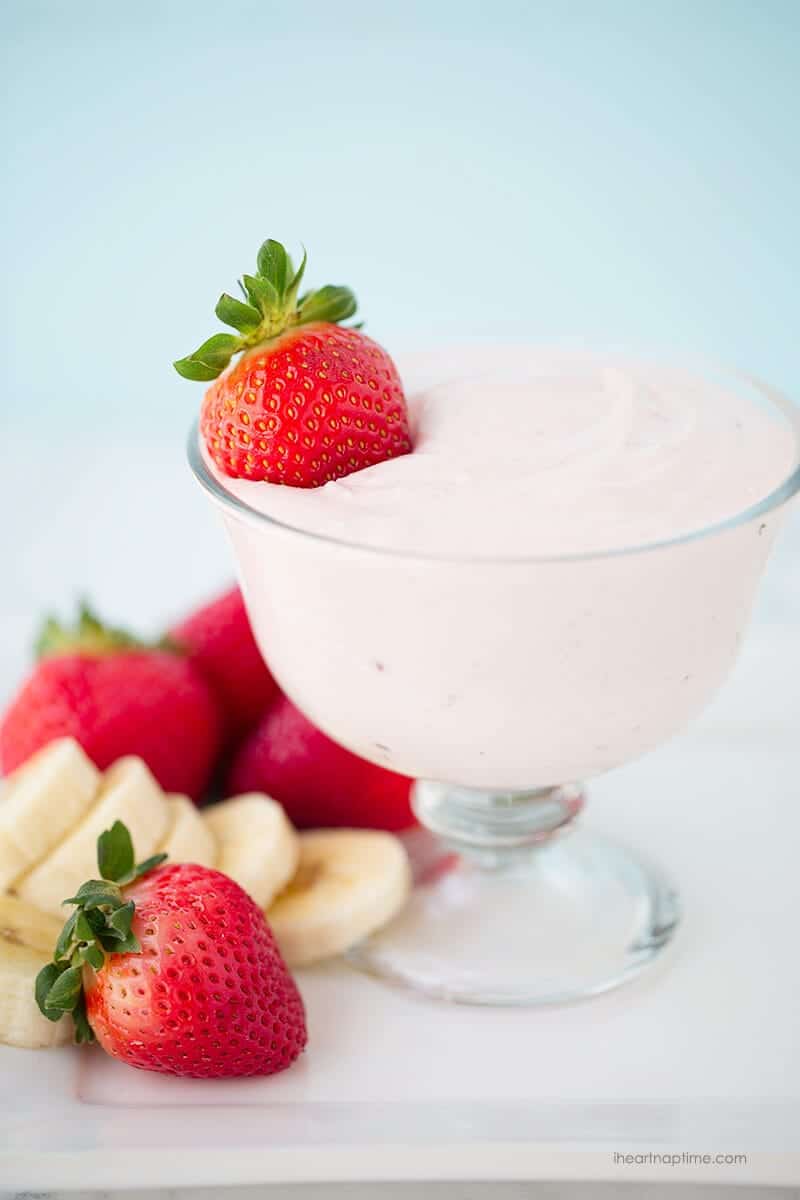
x,y
521,451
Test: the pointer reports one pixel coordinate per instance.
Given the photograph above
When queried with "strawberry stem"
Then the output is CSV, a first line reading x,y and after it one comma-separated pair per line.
x,y
100,925
89,635
270,307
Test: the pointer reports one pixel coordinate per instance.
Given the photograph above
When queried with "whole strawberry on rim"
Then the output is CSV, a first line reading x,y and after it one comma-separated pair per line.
x,y
310,400
172,969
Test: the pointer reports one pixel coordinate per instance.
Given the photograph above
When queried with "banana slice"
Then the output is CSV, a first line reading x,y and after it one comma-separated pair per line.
x,y
42,801
128,793
257,846
27,940
349,883
188,838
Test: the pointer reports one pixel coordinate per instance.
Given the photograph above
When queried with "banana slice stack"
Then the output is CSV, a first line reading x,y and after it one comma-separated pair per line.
x,y
322,891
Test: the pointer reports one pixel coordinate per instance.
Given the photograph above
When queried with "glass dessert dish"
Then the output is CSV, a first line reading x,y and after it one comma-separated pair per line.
x,y
501,681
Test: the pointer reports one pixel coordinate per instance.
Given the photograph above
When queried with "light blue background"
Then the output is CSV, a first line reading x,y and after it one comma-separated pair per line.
x,y
606,171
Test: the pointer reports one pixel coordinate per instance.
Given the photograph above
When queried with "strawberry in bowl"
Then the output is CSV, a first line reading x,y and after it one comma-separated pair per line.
x,y
310,400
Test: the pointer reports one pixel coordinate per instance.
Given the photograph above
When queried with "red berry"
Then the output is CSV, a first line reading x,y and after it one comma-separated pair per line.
x,y
218,640
116,697
317,781
208,995
317,403
309,401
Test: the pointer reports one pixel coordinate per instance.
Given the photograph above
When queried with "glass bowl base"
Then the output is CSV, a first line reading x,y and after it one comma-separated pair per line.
x,y
554,924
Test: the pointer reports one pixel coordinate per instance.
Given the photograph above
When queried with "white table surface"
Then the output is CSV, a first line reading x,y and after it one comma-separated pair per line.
x,y
434,1191
701,1053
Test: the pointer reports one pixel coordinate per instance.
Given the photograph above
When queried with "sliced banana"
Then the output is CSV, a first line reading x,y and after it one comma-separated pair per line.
x,y
257,845
42,801
349,883
27,940
128,793
188,838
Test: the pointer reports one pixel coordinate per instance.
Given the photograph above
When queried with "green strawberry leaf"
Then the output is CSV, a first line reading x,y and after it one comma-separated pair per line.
x,y
49,638
83,930
131,945
95,919
192,368
95,633
117,936
116,943
294,286
101,923
66,937
110,940
115,856
270,306
273,265
66,989
216,351
142,868
262,294
84,1034
88,635
120,921
241,316
95,892
93,955
328,304
208,360
42,988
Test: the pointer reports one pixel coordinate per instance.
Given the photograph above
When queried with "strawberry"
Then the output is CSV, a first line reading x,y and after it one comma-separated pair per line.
x,y
115,696
172,969
309,400
218,640
317,781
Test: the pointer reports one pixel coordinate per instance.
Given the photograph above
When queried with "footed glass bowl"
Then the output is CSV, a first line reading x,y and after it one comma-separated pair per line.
x,y
499,683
